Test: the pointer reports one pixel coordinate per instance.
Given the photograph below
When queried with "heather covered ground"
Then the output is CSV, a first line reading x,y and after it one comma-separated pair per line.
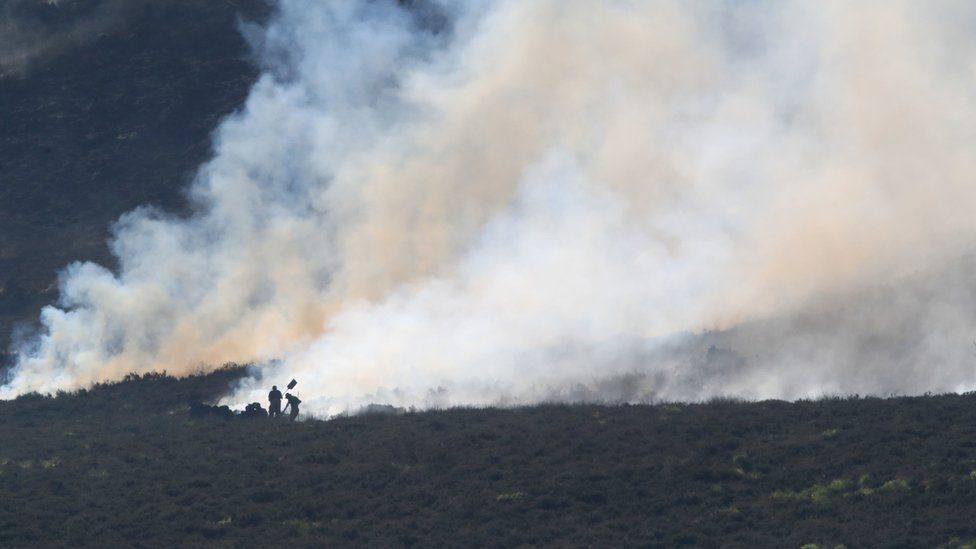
x,y
126,464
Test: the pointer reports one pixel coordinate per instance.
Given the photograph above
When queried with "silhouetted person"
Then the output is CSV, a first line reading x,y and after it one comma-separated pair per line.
x,y
293,403
274,397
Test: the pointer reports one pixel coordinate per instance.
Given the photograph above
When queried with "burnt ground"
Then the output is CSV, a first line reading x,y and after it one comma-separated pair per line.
x,y
127,465
117,117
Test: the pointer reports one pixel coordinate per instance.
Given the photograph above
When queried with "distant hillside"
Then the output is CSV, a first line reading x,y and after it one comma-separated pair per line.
x,y
105,106
108,105
126,465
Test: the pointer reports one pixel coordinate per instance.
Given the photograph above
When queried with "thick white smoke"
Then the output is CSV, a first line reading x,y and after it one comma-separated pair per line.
x,y
511,201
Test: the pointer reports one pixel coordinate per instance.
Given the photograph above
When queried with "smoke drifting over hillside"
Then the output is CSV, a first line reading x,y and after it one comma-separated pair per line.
x,y
27,27
510,201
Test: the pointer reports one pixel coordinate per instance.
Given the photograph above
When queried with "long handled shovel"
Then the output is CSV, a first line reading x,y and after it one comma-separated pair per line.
x,y
290,386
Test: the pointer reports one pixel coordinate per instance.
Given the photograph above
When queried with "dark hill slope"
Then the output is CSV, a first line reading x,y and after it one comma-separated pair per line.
x,y
125,464
113,112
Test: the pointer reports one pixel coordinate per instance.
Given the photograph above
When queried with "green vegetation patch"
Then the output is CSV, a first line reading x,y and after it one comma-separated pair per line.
x,y
818,493
295,525
894,484
824,492
959,543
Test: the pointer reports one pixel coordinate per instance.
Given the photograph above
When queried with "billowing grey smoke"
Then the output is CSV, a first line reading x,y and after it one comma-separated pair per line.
x,y
512,201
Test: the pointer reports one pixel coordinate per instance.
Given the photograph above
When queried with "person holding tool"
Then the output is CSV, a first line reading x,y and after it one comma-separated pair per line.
x,y
293,403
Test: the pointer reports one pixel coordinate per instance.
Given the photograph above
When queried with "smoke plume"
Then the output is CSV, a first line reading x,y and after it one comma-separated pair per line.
x,y
512,201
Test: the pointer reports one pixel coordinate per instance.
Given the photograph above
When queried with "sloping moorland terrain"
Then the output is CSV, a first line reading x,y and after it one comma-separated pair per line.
x,y
126,464
117,117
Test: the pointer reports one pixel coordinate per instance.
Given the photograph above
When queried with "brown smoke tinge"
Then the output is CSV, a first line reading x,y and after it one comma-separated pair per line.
x,y
537,196
872,162
521,92
876,175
